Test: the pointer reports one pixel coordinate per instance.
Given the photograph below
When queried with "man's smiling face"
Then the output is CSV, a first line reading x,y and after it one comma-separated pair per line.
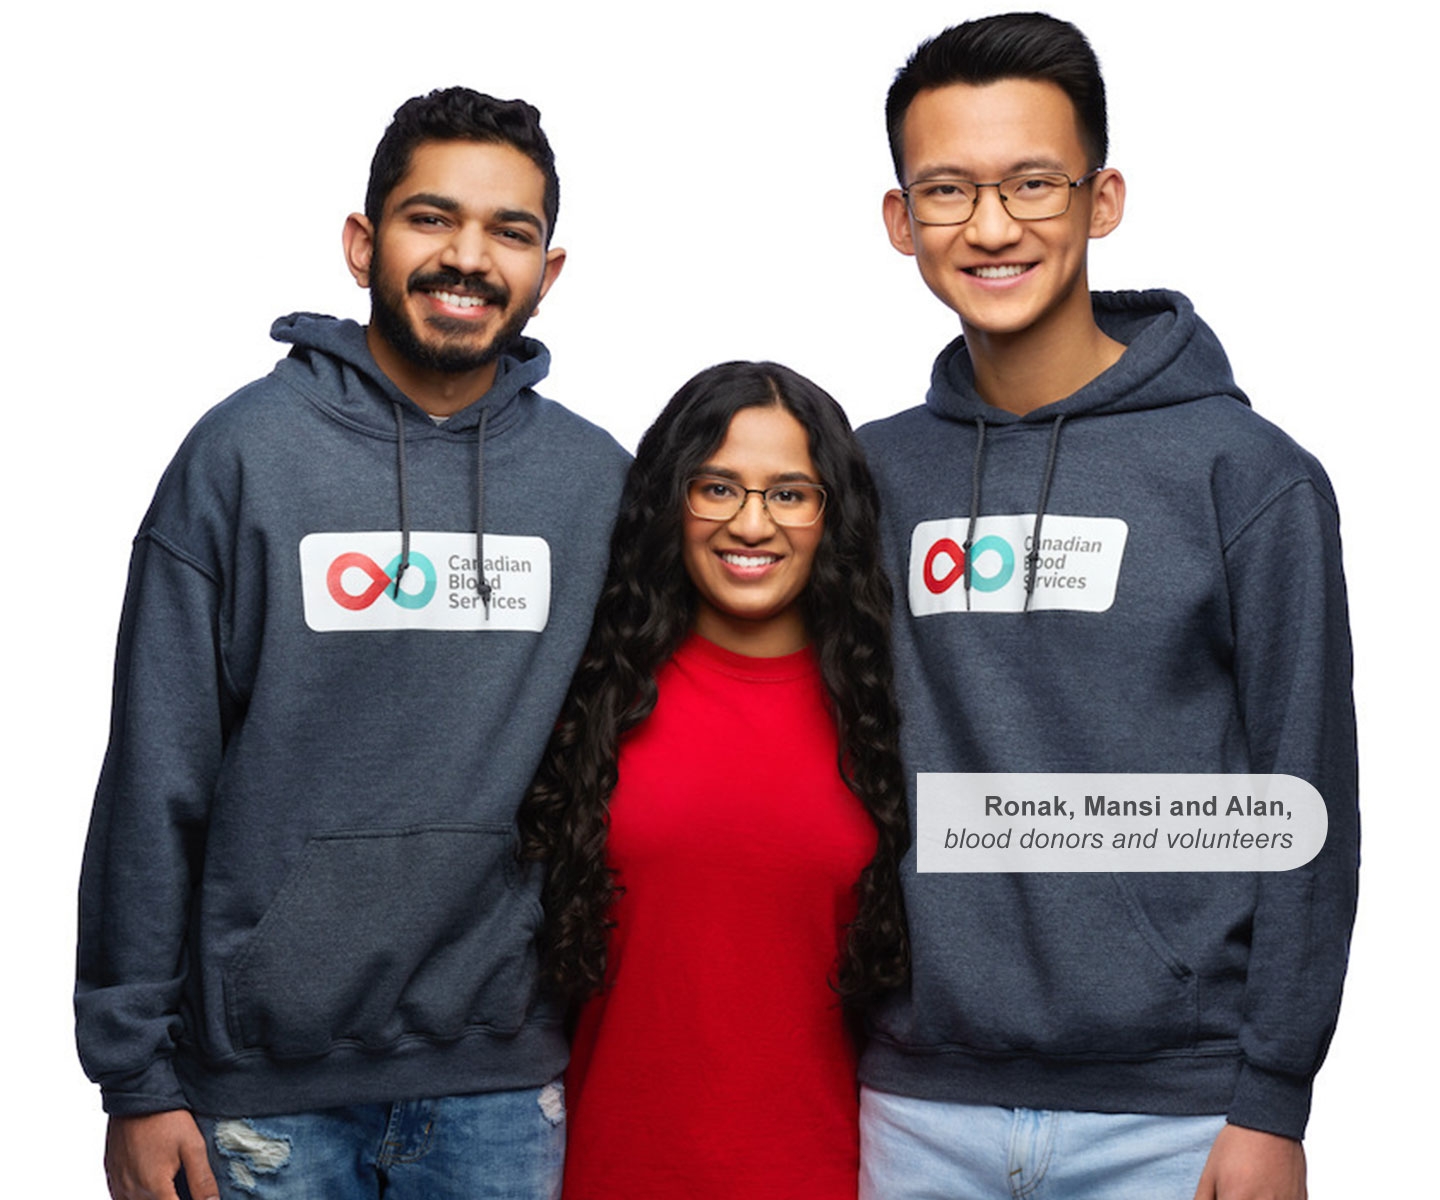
x,y
458,262
1001,275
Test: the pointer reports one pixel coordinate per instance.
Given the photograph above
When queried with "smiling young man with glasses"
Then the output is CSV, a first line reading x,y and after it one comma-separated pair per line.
x,y
1111,565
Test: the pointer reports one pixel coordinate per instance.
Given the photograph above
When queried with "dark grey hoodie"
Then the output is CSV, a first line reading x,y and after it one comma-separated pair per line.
x,y
300,887
1187,615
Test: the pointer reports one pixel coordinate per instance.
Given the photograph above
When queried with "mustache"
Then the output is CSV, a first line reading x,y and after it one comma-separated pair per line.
x,y
467,285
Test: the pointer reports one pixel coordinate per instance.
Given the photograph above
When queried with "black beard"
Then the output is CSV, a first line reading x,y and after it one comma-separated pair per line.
x,y
388,316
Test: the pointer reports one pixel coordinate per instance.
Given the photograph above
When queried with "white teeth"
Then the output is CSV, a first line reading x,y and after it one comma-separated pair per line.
x,y
1005,272
749,560
456,300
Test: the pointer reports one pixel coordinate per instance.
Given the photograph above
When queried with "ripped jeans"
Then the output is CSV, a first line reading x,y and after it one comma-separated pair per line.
x,y
490,1146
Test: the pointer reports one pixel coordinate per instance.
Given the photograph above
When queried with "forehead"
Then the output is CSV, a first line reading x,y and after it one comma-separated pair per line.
x,y
990,130
478,176
764,443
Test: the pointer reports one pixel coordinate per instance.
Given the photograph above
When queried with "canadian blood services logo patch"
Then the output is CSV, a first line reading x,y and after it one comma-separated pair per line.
x,y
1077,568
345,588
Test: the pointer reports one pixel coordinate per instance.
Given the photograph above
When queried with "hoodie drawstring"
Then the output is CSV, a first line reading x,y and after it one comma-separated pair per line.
x,y
976,468
1033,558
404,496
482,585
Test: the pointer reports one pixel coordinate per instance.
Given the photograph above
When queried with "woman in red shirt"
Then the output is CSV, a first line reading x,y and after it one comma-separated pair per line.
x,y
722,808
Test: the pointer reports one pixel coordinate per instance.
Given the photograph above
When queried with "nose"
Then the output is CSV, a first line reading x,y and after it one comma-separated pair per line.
x,y
752,523
467,250
991,226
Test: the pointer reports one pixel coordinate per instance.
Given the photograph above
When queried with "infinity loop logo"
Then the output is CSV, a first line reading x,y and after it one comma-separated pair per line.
x,y
381,582
949,548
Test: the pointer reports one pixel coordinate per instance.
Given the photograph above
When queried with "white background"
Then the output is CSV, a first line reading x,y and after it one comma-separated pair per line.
x,y
177,176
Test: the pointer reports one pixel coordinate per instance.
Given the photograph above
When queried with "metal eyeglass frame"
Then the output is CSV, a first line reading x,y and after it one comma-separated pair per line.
x,y
746,493
997,185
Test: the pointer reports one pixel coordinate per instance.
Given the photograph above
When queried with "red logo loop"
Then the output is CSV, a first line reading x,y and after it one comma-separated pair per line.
x,y
951,549
363,562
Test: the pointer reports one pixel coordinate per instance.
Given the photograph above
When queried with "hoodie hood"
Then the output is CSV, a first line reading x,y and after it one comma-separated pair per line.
x,y
331,363
1171,357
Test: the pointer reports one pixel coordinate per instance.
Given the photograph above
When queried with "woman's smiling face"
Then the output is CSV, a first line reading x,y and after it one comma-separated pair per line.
x,y
749,571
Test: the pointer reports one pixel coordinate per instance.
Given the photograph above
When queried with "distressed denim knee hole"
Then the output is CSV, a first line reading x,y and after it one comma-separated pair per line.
x,y
552,1102
249,1152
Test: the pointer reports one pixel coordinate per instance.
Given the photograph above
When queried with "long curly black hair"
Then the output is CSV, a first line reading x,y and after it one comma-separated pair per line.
x,y
646,609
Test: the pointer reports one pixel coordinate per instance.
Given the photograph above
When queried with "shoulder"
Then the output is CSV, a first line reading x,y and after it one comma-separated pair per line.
x,y
243,436
897,434
905,450
558,457
558,463
1250,460
262,412
256,413
897,425
573,438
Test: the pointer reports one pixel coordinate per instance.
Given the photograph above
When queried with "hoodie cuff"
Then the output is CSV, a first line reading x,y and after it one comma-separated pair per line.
x,y
1271,1102
155,1089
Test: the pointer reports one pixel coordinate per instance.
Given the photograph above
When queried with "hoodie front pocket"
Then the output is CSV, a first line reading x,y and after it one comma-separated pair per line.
x,y
376,936
1055,965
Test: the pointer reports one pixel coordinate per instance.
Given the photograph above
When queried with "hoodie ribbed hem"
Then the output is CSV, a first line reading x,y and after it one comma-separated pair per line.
x,y
1174,1085
1177,1085
258,1085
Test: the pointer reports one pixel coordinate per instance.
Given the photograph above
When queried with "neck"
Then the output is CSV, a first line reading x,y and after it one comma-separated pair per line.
x,y
439,393
1020,372
773,637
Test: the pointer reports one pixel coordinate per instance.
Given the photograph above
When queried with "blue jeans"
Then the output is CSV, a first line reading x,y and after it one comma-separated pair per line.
x,y
929,1150
491,1146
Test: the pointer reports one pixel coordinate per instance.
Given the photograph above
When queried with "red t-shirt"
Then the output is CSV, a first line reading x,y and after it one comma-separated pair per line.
x,y
717,1063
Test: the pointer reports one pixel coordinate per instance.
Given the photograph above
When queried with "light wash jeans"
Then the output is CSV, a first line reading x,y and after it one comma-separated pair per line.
x,y
491,1146
930,1150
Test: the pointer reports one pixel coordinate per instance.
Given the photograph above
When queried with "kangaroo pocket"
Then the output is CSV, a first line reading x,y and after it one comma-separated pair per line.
x,y
380,935
1042,964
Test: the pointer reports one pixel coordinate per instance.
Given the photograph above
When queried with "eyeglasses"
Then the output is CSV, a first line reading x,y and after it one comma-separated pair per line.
x,y
794,505
1037,196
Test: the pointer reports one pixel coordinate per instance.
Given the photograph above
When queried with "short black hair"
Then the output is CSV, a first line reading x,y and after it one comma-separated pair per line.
x,y
460,114
1011,46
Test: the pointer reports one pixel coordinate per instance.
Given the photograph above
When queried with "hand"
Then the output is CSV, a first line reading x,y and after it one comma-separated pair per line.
x,y
144,1154
1245,1164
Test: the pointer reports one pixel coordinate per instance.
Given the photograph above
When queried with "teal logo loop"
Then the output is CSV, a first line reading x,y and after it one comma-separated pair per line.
x,y
421,598
992,583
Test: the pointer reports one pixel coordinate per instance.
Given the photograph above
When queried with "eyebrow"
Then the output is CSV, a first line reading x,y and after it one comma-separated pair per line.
x,y
449,204
783,477
429,200
508,216
1022,167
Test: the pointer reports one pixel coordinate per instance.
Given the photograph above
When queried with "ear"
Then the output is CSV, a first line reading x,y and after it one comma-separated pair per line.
x,y
1107,202
554,261
359,241
897,222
